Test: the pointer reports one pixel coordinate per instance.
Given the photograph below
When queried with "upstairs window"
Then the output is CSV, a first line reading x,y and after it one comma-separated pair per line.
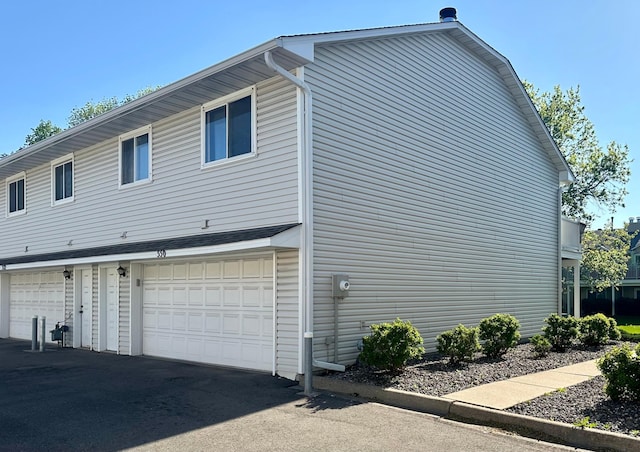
x,y
228,128
135,156
16,195
62,180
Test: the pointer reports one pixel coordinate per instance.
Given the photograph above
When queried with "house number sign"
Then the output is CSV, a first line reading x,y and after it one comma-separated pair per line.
x,y
162,254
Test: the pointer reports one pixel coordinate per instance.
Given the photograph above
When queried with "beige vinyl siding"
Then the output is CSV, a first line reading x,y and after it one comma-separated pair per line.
x,y
431,192
287,326
124,313
254,192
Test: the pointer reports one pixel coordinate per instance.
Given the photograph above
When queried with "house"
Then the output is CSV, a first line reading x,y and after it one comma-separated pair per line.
x,y
631,284
622,300
207,220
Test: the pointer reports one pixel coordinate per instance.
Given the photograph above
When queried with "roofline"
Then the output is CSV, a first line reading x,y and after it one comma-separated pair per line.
x,y
303,47
138,103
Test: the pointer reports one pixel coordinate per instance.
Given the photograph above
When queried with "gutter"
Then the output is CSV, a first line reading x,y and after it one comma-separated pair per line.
x,y
306,264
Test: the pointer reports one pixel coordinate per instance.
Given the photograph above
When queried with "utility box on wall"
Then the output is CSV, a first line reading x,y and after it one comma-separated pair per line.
x,y
341,285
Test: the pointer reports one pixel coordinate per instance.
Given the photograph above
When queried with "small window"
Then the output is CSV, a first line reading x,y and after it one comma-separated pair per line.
x,y
16,199
62,180
135,156
228,128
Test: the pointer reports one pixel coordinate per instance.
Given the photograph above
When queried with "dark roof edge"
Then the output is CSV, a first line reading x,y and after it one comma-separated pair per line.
x,y
192,241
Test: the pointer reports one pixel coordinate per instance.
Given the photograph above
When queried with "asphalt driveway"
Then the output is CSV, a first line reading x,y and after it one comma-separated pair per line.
x,y
69,399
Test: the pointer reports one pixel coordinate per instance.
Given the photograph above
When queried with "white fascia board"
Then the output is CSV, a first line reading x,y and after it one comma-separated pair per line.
x,y
304,45
286,239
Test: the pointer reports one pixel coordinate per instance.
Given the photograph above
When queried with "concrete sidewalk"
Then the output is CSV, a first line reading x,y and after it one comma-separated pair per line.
x,y
505,394
485,404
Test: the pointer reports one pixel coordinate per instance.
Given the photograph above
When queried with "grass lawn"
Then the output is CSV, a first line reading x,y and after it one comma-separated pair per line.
x,y
629,326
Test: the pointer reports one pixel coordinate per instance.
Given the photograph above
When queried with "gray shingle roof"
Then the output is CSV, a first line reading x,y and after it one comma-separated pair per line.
x,y
193,241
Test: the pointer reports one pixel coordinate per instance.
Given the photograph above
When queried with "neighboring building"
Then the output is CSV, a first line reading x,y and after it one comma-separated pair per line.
x,y
205,220
625,299
572,231
631,284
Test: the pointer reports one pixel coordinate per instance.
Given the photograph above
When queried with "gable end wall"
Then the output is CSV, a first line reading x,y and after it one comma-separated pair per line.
x,y
431,192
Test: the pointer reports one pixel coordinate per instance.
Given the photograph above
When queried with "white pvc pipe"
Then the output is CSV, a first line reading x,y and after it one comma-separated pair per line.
x,y
307,221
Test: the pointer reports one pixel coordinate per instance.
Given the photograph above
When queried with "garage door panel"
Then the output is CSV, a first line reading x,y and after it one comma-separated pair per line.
x,y
231,323
231,270
196,296
231,296
196,271
195,322
213,296
252,268
218,312
164,320
213,323
179,322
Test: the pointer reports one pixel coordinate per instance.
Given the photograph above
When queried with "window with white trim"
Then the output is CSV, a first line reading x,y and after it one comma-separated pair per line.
x,y
16,195
62,180
135,157
228,128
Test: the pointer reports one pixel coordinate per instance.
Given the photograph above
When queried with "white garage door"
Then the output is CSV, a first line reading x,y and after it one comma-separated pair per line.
x,y
218,312
36,293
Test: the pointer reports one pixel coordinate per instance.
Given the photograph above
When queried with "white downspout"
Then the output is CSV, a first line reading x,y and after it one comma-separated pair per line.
x,y
306,156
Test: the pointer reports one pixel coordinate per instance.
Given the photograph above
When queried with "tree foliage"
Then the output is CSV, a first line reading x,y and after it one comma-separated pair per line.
x,y
91,109
605,257
43,130
601,173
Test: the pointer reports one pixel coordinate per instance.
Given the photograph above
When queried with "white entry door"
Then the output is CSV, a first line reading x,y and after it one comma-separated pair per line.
x,y
86,306
109,308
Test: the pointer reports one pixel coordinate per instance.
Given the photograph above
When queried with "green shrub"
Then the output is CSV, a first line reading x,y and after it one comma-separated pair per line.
x,y
594,329
459,344
541,345
560,331
499,333
614,331
391,345
621,370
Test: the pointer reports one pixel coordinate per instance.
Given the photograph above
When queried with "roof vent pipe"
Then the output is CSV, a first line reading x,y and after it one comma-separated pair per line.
x,y
448,15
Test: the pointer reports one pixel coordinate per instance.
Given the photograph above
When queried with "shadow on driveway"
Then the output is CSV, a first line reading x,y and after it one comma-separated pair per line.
x,y
69,399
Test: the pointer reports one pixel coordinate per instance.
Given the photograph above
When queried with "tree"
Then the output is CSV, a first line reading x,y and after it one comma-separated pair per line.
x,y
605,257
46,129
43,130
92,109
601,173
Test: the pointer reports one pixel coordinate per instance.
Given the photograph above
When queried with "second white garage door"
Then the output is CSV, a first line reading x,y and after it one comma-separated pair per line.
x,y
216,311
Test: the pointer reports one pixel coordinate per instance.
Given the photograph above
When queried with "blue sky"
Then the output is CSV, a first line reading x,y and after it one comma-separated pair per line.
x,y
58,55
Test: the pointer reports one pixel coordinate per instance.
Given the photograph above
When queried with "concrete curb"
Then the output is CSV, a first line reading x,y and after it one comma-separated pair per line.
x,y
525,425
